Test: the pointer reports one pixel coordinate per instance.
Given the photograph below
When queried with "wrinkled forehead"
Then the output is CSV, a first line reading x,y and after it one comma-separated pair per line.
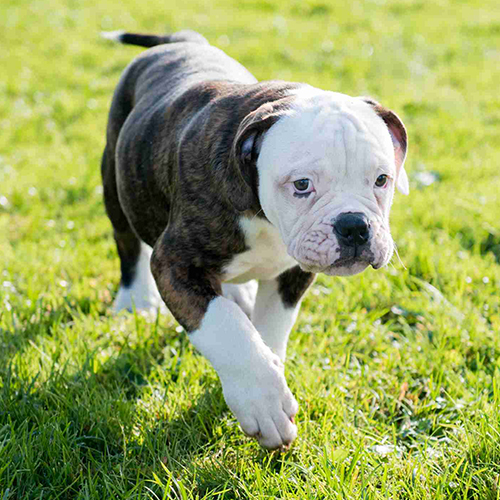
x,y
328,130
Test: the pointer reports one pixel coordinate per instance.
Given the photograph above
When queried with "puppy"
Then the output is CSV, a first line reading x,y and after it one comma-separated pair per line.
x,y
212,180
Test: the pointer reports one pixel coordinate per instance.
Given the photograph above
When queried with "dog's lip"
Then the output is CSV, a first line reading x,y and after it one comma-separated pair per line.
x,y
348,262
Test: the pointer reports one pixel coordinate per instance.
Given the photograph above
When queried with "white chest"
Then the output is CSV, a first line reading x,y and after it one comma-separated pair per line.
x,y
266,258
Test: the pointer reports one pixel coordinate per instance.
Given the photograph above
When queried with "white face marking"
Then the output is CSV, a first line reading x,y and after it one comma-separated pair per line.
x,y
266,258
341,146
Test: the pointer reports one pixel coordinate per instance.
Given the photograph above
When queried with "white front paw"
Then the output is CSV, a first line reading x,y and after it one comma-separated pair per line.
x,y
263,404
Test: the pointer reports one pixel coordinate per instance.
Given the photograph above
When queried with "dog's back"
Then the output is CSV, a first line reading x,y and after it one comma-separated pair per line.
x,y
152,101
181,58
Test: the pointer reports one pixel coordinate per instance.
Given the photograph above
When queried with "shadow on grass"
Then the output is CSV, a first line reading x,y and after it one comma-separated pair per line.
x,y
25,324
67,428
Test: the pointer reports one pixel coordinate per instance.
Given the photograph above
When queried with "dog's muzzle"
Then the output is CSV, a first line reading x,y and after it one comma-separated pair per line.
x,y
343,245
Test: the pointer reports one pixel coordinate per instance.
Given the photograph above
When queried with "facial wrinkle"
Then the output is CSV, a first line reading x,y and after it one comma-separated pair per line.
x,y
322,202
340,155
365,138
350,136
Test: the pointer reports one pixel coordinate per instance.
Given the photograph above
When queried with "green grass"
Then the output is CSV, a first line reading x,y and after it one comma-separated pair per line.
x,y
396,371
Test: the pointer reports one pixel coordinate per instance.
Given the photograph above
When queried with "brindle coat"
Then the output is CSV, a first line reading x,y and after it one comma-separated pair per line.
x,y
175,172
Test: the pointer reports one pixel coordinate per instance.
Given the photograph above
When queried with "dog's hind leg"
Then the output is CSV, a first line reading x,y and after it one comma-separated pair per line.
x,y
137,285
141,291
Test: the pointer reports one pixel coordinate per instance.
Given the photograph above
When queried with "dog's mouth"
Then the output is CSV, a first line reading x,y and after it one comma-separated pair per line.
x,y
351,261
344,267
335,258
354,255
348,266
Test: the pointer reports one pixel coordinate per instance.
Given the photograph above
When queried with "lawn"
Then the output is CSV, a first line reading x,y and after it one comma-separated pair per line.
x,y
397,371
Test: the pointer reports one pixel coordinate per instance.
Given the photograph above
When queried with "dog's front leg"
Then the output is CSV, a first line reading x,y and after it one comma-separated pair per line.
x,y
277,305
252,375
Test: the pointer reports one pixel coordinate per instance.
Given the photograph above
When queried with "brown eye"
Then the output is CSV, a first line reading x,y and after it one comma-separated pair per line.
x,y
301,185
381,180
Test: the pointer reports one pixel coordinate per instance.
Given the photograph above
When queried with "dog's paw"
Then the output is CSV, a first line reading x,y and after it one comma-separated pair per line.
x,y
263,404
142,293
244,295
148,301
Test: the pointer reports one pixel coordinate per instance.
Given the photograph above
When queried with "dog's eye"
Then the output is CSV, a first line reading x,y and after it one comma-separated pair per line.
x,y
381,180
302,185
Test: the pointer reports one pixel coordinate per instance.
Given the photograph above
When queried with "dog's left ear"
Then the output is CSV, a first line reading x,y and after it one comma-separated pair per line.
x,y
399,138
242,187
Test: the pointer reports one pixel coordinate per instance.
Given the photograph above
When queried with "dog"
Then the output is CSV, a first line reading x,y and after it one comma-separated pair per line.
x,y
213,179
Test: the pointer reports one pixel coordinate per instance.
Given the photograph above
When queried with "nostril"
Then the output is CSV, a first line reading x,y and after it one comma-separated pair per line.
x,y
362,235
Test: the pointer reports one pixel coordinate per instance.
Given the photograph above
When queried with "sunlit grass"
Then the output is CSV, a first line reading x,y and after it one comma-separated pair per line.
x,y
396,371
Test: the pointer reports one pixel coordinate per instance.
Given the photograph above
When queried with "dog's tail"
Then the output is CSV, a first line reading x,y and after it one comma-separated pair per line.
x,y
145,40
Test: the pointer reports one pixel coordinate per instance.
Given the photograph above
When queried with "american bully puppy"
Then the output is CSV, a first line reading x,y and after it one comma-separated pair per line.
x,y
212,178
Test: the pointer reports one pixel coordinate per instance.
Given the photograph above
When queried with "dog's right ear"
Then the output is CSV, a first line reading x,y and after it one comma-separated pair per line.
x,y
243,182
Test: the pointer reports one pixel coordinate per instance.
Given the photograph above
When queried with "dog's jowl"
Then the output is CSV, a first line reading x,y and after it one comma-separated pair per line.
x,y
213,180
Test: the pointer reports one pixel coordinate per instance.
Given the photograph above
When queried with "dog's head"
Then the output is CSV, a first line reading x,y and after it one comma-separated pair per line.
x,y
327,167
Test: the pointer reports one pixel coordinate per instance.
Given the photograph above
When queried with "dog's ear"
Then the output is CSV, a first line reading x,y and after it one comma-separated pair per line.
x,y
242,186
399,138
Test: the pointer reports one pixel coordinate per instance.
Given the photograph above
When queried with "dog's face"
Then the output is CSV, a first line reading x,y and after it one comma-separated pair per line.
x,y
327,173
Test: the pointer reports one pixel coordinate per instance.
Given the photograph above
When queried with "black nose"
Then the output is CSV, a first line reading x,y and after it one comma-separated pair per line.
x,y
352,229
